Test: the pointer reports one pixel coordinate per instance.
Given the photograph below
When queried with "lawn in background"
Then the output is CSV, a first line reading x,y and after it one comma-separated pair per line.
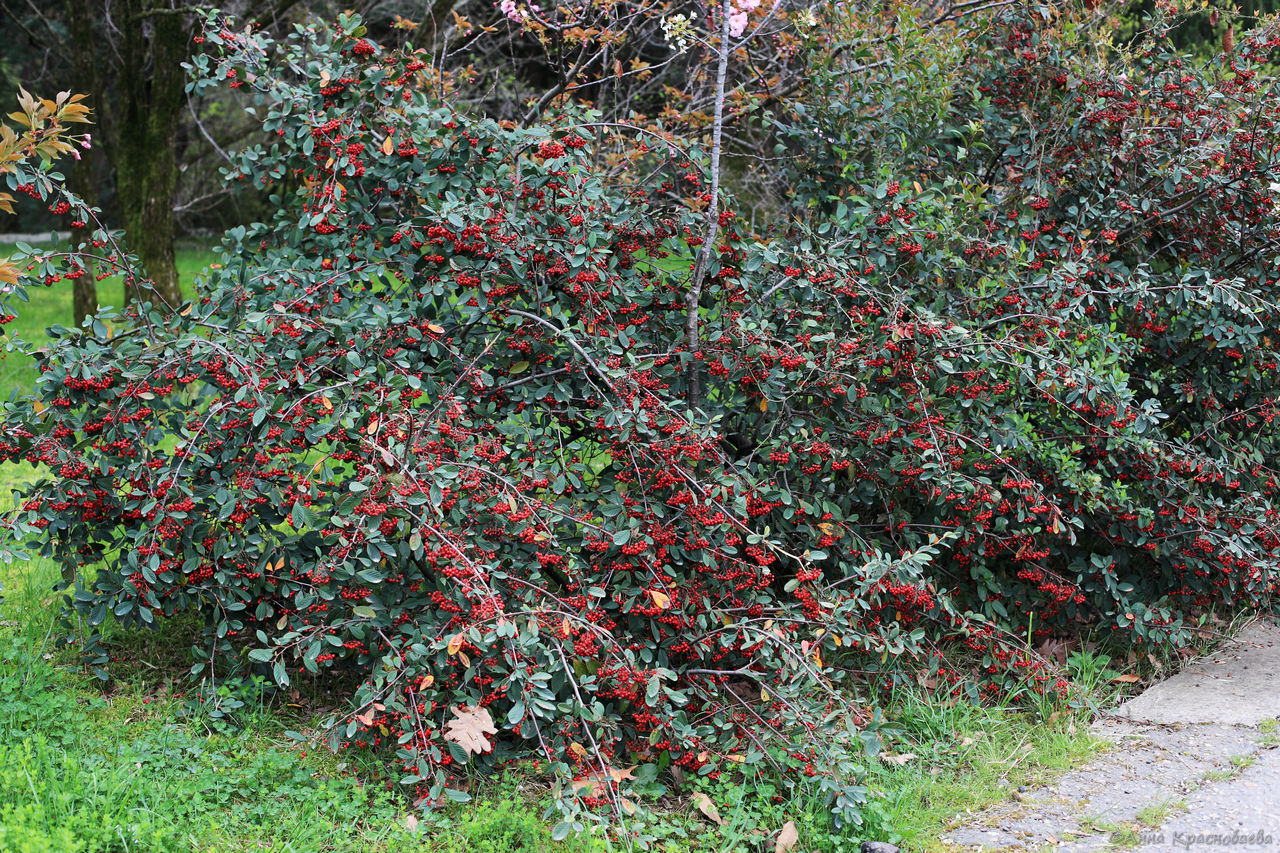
x,y
51,306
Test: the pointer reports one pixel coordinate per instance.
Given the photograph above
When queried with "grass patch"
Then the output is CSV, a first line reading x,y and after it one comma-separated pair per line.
x,y
967,757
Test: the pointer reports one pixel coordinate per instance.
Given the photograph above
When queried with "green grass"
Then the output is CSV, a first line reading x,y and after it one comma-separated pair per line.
x,y
138,765
967,757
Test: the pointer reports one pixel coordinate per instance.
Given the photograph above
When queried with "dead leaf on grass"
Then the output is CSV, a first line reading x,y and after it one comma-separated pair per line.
x,y
897,760
788,838
708,808
1125,679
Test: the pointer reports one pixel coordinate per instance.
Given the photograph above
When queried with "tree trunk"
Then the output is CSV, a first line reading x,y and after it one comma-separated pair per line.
x,y
84,80
153,44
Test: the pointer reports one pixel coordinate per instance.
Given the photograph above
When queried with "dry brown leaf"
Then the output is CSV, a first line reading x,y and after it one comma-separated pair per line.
x,y
411,822
1131,678
708,808
897,760
598,780
469,727
788,838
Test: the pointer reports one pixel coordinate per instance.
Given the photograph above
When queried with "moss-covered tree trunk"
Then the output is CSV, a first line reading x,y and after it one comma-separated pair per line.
x,y
153,45
85,80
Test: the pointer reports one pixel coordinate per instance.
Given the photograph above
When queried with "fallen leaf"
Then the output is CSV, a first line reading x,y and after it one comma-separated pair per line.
x,y
708,808
411,822
1131,678
598,780
788,838
469,728
897,760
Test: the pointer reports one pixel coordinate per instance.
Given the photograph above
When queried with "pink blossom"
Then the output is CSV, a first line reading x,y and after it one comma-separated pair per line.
x,y
515,12
738,10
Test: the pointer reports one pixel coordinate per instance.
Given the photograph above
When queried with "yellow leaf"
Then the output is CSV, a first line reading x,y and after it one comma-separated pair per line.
x,y
435,327
426,681
365,719
466,661
388,145
919,189
455,644
764,404
661,599
764,695
578,749
327,403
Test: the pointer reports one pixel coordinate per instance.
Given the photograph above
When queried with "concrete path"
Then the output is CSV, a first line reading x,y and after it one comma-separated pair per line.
x,y
1195,765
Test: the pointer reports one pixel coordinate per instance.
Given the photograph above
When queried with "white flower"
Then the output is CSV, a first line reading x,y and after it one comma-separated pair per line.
x,y
677,30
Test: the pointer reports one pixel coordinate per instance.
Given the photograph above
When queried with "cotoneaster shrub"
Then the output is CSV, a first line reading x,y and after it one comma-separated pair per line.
x,y
428,428
1099,229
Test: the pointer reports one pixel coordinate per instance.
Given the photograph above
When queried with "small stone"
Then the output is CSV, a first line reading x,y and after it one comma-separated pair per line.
x,y
879,847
